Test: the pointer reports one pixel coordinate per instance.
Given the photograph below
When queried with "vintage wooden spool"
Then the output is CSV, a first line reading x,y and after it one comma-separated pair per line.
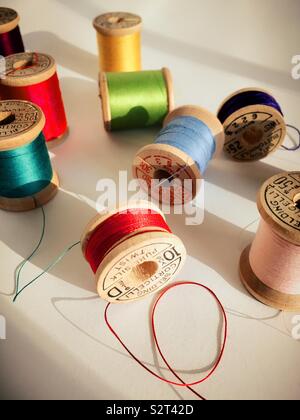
x,y
254,131
21,123
30,70
279,206
158,161
141,264
119,41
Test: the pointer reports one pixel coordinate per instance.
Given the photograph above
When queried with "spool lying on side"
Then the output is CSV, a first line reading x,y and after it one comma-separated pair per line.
x,y
33,77
10,36
158,162
139,264
119,41
123,106
252,131
279,206
21,125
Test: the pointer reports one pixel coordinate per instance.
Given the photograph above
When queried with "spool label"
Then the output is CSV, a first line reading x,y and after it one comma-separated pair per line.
x,y
7,15
17,117
120,286
282,199
27,64
253,135
175,192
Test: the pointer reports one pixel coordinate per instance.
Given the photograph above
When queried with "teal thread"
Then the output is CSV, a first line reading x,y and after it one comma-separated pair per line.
x,y
28,259
26,170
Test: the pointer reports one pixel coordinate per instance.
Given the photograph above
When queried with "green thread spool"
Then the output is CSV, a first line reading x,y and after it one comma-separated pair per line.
x,y
136,99
27,179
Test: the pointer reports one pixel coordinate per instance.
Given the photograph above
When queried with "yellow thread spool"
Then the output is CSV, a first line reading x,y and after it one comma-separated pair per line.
x,y
119,41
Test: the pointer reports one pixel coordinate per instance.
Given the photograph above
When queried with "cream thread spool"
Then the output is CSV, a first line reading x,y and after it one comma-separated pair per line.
x,y
139,265
253,131
119,41
160,161
28,71
279,206
21,123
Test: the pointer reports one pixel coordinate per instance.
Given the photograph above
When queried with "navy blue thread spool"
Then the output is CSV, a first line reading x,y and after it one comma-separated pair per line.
x,y
253,123
179,159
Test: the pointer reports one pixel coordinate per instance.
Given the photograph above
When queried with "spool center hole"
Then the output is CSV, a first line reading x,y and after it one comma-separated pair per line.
x,y
297,201
144,271
162,174
23,63
115,19
253,135
6,118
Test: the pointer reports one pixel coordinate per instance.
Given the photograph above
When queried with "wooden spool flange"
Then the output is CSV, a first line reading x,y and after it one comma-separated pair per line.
x,y
117,24
9,20
159,161
279,206
254,131
104,95
28,69
21,124
141,264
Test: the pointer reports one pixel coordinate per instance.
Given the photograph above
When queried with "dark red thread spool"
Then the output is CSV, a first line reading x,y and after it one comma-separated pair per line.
x,y
10,36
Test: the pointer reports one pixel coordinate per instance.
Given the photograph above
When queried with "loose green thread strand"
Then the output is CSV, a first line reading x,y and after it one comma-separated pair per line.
x,y
50,266
137,99
28,259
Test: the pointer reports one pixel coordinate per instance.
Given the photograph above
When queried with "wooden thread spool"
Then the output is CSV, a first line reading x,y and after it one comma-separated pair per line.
x,y
279,206
138,265
119,41
10,36
159,161
21,123
107,110
33,77
254,131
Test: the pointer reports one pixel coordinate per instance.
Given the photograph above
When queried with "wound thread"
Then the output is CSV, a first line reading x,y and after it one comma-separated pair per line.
x,y
11,41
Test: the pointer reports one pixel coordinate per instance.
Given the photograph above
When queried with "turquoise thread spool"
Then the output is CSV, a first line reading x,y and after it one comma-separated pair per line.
x,y
191,137
27,179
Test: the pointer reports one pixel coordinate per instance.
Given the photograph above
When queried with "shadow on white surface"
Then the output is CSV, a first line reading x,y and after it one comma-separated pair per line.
x,y
205,56
54,372
244,179
20,233
209,244
217,60
67,55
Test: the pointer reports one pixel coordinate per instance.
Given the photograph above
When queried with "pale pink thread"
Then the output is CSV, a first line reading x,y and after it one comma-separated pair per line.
x,y
275,261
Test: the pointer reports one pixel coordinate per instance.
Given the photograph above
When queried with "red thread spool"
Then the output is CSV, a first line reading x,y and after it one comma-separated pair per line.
x,y
33,77
10,36
132,252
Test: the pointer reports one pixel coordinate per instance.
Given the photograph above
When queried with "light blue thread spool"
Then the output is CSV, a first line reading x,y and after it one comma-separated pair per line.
x,y
27,179
191,137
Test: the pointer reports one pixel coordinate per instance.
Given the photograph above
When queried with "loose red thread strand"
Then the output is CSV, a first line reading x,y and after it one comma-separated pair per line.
x,y
182,382
118,227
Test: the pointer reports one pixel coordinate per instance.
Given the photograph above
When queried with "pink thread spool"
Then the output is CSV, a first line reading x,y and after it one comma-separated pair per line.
x,y
270,267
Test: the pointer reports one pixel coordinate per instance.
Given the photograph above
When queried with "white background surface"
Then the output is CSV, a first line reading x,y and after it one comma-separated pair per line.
x,y
57,344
